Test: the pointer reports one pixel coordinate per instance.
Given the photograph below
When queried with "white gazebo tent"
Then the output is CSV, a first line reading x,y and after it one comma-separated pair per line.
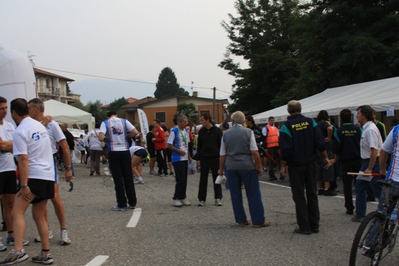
x,y
17,79
379,94
64,113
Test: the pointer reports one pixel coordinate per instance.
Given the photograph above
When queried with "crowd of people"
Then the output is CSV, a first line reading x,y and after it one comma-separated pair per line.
x,y
306,150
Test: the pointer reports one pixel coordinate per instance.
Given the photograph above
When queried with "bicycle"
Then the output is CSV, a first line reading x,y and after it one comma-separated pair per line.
x,y
376,236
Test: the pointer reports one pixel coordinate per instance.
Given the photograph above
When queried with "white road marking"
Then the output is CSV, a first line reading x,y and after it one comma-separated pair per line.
x,y
135,218
97,261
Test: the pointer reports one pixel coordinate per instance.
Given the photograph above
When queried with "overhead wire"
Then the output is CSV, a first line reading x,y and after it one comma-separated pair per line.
x,y
126,80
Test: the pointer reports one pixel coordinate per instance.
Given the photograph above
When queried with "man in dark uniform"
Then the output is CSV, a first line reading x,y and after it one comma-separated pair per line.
x,y
347,150
300,139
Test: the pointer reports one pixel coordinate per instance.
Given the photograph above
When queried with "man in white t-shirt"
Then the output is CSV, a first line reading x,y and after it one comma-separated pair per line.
x,y
31,145
117,130
8,181
370,145
36,111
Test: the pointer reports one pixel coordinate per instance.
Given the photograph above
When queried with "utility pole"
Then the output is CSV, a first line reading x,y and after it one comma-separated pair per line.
x,y
214,104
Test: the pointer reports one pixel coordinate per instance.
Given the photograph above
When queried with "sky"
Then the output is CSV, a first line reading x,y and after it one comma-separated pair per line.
x,y
123,39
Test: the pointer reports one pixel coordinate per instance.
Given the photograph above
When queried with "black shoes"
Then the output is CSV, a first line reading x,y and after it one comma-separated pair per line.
x,y
349,212
302,232
272,178
330,192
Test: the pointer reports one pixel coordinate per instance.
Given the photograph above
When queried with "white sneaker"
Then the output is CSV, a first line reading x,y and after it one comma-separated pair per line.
x,y
2,247
177,203
218,202
201,203
186,202
139,180
64,237
50,236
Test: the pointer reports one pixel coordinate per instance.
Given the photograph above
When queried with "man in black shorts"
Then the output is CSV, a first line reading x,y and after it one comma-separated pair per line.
x,y
8,181
32,147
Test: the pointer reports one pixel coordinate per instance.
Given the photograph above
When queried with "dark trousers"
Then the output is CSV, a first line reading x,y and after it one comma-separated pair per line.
x,y
121,168
161,161
348,180
273,152
95,160
181,169
206,164
303,178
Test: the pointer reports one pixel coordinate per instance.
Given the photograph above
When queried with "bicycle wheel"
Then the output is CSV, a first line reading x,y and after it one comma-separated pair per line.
x,y
366,244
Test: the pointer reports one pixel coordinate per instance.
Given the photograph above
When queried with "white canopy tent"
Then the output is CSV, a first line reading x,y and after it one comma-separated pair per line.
x,y
64,113
379,94
17,79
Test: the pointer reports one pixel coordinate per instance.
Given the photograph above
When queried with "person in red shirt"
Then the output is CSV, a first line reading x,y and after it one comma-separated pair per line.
x,y
160,147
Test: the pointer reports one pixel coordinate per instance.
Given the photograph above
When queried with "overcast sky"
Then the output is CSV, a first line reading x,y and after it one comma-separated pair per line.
x,y
126,39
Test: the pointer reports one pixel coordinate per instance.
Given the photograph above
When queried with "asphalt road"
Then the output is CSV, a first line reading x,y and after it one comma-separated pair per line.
x,y
157,233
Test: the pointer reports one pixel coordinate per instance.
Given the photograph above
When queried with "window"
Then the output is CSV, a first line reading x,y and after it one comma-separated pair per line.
x,y
161,116
48,83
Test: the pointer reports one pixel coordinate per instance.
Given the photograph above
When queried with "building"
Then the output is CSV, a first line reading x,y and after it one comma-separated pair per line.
x,y
53,86
165,109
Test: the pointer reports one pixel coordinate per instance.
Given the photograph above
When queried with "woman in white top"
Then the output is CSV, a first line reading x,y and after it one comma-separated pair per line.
x,y
96,150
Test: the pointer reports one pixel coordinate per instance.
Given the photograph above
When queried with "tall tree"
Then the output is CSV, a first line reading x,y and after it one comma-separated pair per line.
x,y
349,42
261,35
167,84
295,51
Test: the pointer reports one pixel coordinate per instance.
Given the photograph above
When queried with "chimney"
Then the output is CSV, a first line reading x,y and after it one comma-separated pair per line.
x,y
195,93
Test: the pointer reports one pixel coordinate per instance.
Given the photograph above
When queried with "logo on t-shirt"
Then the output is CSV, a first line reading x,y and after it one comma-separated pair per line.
x,y
116,131
36,136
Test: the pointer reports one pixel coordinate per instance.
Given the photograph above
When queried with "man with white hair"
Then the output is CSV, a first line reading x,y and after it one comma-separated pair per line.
x,y
300,140
238,151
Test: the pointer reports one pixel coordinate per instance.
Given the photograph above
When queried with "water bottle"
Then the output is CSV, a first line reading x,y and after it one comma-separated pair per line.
x,y
394,217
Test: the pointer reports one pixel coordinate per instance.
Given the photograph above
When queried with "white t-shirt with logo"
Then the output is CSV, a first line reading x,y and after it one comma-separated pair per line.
x,y
31,138
6,158
55,134
116,130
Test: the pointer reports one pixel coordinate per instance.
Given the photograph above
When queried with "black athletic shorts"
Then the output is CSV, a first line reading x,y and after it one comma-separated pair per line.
x,y
169,155
8,182
152,153
141,153
43,189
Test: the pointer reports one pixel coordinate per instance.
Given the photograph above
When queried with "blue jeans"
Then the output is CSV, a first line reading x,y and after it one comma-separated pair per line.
x,y
361,188
73,170
251,182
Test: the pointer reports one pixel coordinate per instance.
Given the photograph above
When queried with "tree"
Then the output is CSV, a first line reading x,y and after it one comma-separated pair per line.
x,y
348,42
78,104
295,51
95,110
189,110
261,35
182,92
167,85
117,104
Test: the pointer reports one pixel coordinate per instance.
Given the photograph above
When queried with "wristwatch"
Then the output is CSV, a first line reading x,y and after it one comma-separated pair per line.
x,y
24,186
370,167
68,168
